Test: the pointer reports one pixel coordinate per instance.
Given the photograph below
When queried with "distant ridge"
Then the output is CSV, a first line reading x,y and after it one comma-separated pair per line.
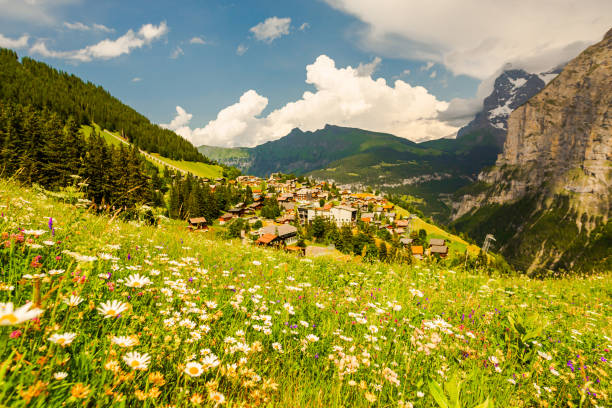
x,y
431,170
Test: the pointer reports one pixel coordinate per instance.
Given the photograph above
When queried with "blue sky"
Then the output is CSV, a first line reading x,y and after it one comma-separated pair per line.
x,y
165,68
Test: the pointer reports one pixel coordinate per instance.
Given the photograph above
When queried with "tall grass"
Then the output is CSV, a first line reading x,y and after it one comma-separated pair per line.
x,y
266,328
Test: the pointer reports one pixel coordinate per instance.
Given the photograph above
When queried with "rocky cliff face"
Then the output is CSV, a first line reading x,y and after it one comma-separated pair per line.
x,y
558,147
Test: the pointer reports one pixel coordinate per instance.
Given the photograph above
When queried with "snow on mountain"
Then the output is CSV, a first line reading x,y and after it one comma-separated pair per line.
x,y
511,89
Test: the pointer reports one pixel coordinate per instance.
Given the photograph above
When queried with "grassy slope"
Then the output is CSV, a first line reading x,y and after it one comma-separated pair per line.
x,y
199,169
456,244
196,168
568,319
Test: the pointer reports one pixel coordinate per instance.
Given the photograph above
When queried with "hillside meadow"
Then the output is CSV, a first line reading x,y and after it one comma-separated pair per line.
x,y
98,312
198,169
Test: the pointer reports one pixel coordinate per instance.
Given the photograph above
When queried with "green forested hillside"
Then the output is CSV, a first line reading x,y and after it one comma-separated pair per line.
x,y
301,152
30,82
37,146
530,232
46,139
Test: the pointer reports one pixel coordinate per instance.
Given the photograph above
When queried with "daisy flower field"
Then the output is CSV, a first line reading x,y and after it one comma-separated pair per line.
x,y
161,317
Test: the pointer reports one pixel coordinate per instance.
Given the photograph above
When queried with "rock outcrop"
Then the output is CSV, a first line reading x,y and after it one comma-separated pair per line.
x,y
558,147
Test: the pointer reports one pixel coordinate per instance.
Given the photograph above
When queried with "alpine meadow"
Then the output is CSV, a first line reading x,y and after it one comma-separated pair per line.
x,y
334,203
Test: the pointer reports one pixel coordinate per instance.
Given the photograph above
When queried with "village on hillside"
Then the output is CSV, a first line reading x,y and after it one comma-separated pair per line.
x,y
316,218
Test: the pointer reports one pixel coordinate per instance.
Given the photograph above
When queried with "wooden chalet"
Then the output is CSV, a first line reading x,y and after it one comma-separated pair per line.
x,y
437,242
198,223
406,242
225,218
441,250
255,206
285,233
367,217
267,240
237,210
286,219
437,246
402,223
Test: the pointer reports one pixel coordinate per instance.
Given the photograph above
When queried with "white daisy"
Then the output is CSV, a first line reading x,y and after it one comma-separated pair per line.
x,y
34,232
124,341
210,361
73,300
137,281
137,361
216,397
10,316
194,369
63,339
112,308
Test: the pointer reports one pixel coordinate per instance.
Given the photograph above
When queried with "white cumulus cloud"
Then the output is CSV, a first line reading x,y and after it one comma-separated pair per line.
x,y
342,97
477,37
16,43
107,49
369,68
181,120
271,29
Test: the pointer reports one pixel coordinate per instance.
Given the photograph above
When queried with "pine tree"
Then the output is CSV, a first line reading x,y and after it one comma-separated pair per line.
x,y
73,146
346,239
382,252
248,195
318,228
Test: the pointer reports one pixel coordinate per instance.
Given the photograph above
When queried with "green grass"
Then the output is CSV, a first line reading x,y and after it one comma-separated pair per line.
x,y
388,333
86,130
196,168
456,245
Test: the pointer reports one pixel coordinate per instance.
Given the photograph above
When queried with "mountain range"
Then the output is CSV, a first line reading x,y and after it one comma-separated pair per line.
x,y
429,171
